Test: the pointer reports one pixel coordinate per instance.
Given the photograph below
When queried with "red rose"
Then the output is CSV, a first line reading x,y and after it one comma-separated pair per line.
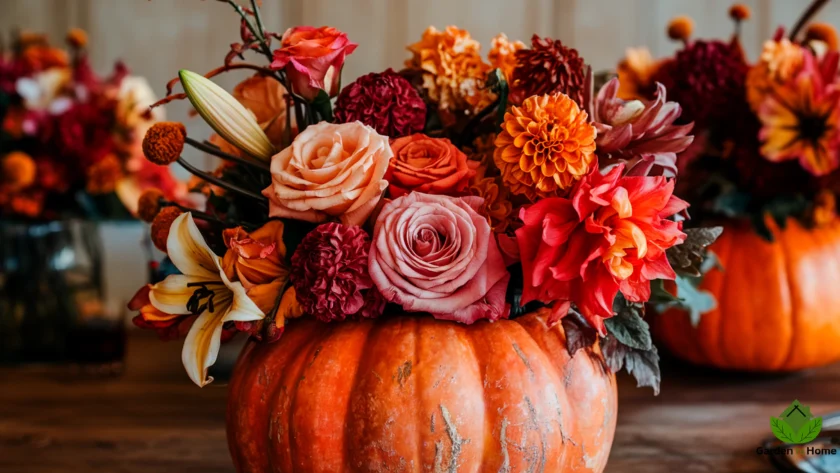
x,y
428,165
610,236
312,58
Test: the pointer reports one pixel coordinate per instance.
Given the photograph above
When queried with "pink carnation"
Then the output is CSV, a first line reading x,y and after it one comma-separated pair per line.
x,y
437,254
330,274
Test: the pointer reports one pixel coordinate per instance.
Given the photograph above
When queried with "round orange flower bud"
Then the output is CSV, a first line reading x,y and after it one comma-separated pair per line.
x,y
161,225
19,170
77,38
164,142
149,204
822,32
102,177
680,28
739,12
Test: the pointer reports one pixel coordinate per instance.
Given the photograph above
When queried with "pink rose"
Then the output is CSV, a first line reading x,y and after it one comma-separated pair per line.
x,y
330,170
312,58
437,254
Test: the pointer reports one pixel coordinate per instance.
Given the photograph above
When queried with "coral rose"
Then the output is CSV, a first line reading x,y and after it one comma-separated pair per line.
x,y
330,170
312,58
437,254
610,236
330,274
430,165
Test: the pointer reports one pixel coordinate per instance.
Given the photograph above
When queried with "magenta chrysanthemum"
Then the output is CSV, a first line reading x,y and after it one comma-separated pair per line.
x,y
330,274
385,101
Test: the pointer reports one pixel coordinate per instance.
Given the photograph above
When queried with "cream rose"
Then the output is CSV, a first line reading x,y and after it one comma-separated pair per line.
x,y
330,170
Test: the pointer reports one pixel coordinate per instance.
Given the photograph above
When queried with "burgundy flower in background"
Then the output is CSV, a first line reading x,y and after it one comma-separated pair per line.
x,y
330,274
548,67
384,101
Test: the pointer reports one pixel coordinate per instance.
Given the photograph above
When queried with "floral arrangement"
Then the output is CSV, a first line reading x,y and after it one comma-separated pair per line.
x,y
767,140
70,140
460,188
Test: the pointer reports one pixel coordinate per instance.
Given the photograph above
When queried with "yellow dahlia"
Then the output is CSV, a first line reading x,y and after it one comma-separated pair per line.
x,y
545,146
454,73
779,62
502,55
497,206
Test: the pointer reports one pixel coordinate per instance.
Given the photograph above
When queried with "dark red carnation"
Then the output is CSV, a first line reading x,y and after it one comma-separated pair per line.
x,y
547,68
330,274
385,101
707,79
84,131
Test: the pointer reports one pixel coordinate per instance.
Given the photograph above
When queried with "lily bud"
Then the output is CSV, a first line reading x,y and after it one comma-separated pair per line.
x,y
229,118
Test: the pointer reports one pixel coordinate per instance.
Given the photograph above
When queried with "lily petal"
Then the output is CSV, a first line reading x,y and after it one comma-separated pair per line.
x,y
173,293
189,252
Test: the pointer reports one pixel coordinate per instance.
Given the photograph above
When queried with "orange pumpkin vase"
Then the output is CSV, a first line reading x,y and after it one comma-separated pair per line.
x,y
415,394
778,303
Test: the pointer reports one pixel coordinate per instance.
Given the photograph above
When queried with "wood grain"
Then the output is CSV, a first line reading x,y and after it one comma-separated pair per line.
x,y
153,419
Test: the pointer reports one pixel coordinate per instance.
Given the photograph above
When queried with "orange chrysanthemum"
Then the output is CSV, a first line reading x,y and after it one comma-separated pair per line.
x,y
454,73
545,146
800,121
497,206
19,170
102,177
502,55
822,32
635,74
164,142
149,204
161,225
779,62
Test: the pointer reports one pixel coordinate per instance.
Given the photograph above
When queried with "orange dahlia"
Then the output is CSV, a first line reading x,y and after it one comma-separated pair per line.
x,y
779,62
502,55
454,73
497,206
800,121
545,146
635,74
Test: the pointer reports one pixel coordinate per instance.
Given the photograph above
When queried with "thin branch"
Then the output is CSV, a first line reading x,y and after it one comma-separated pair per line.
x,y
220,182
217,152
812,10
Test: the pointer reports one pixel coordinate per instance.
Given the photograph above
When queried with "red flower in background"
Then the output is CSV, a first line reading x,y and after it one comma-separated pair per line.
x,y
610,236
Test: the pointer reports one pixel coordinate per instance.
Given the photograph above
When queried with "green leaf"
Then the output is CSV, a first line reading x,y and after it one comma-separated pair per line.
x,y
687,258
694,300
642,364
810,431
782,430
627,325
660,296
497,83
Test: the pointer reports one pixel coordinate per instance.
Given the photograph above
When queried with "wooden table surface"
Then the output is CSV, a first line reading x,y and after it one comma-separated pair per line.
x,y
152,420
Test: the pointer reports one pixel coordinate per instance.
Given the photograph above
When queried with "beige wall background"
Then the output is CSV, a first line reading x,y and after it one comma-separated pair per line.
x,y
158,37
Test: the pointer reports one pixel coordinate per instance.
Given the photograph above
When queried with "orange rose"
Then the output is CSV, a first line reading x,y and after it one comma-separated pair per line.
x,y
312,59
428,165
265,97
330,170
258,261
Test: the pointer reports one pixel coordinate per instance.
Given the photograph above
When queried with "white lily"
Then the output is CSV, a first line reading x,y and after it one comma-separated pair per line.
x,y
204,290
226,116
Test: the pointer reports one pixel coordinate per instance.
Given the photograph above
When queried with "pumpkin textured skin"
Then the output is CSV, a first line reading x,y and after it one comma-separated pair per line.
x,y
415,394
778,303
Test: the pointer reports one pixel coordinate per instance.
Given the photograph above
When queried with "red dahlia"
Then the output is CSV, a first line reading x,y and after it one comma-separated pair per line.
x,y
330,274
548,67
384,101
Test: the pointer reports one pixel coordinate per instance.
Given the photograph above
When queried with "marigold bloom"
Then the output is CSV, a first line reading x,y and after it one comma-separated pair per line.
x,y
800,121
102,176
680,28
822,32
779,62
545,146
161,225
19,170
149,204
454,72
77,38
502,54
164,142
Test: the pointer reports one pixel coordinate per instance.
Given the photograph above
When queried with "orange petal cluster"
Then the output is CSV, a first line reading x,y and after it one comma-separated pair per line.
x,y
454,72
502,54
496,206
545,146
779,62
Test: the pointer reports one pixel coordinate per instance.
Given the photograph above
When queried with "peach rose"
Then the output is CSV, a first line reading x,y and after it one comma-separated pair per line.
x,y
312,58
266,98
258,261
436,254
431,165
330,170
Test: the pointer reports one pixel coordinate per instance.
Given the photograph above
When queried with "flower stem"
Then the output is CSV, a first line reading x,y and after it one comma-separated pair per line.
x,y
215,151
220,182
812,10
